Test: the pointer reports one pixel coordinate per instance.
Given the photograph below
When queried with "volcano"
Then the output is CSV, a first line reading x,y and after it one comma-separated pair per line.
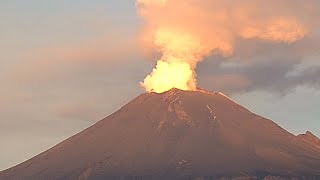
x,y
178,135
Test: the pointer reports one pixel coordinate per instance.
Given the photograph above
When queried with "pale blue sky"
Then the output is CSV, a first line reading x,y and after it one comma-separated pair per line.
x,y
64,65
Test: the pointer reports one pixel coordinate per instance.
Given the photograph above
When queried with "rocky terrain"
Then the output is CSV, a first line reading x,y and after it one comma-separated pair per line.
x,y
178,135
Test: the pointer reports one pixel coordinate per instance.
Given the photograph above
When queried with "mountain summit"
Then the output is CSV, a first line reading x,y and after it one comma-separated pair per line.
x,y
178,135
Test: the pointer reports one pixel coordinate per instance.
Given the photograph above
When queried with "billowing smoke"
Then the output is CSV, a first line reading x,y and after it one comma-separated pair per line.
x,y
187,31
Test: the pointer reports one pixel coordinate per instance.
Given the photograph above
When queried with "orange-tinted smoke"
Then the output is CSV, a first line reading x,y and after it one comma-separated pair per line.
x,y
186,31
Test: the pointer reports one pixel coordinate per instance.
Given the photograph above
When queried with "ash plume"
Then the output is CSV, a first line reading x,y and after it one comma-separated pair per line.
x,y
186,32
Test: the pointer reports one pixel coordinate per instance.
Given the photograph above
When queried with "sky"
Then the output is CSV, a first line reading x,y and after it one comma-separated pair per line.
x,y
65,65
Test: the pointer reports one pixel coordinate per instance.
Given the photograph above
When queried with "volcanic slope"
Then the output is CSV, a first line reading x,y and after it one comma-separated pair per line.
x,y
177,135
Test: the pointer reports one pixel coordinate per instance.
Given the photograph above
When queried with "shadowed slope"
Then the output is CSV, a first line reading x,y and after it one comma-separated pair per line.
x,y
178,134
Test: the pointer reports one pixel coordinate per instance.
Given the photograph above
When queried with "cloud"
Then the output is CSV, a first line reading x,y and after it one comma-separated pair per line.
x,y
228,82
275,74
71,82
263,44
101,53
216,25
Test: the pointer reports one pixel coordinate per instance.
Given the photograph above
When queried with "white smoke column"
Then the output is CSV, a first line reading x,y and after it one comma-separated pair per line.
x,y
186,31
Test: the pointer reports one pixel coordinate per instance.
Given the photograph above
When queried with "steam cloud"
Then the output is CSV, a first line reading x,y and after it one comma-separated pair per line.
x,y
187,31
